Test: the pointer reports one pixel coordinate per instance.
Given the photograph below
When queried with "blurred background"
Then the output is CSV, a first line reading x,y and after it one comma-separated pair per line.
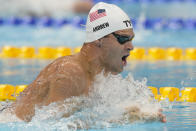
x,y
54,23
37,23
169,25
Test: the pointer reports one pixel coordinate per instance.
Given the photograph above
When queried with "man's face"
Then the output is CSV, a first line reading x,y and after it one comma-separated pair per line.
x,y
116,49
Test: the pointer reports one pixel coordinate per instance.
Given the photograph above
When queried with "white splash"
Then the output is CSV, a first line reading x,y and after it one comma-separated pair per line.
x,y
6,114
104,107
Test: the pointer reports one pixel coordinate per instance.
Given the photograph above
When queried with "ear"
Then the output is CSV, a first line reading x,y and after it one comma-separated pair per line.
x,y
98,43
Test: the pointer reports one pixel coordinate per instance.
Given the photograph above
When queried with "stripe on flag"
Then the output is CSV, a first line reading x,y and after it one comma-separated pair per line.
x,y
96,15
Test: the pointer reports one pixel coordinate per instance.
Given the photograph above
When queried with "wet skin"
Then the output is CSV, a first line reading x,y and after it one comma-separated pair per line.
x,y
73,75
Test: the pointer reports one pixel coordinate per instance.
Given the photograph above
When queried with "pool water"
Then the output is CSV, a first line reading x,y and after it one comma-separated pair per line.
x,y
176,74
180,74
180,116
59,37
54,36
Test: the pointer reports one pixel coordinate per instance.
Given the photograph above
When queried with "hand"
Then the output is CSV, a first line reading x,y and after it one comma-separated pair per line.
x,y
135,114
162,116
154,116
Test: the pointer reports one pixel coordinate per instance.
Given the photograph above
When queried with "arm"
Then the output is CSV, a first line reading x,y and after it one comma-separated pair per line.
x,y
58,81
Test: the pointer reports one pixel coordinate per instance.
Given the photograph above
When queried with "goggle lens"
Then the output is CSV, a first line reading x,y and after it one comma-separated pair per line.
x,y
122,39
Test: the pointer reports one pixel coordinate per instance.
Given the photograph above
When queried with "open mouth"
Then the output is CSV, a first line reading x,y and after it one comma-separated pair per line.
x,y
124,60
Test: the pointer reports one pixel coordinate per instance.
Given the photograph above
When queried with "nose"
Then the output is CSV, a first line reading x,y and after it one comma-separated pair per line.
x,y
129,46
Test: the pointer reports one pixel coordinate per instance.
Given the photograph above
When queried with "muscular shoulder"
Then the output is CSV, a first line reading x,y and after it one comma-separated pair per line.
x,y
69,65
61,79
63,65
69,79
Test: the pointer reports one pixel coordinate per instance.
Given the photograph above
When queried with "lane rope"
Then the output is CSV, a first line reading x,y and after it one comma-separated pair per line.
x,y
188,94
151,23
139,53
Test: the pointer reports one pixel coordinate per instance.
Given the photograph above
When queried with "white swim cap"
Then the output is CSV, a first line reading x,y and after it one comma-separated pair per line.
x,y
103,19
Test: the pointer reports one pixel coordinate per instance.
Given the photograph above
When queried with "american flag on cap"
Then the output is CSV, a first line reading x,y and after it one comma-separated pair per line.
x,y
97,14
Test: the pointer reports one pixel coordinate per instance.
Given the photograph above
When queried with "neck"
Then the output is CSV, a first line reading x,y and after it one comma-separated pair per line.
x,y
90,59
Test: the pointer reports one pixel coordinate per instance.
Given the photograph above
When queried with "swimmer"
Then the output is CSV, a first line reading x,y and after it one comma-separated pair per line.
x,y
44,7
109,35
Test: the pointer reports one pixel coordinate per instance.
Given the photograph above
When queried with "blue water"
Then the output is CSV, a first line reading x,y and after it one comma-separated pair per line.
x,y
58,36
163,10
180,116
40,36
177,74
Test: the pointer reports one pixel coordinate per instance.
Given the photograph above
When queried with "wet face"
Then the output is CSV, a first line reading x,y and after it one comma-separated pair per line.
x,y
116,48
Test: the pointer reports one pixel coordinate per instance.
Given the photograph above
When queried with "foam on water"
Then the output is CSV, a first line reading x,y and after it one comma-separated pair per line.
x,y
6,113
104,107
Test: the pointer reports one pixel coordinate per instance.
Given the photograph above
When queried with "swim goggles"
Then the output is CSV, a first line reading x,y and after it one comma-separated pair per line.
x,y
122,39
